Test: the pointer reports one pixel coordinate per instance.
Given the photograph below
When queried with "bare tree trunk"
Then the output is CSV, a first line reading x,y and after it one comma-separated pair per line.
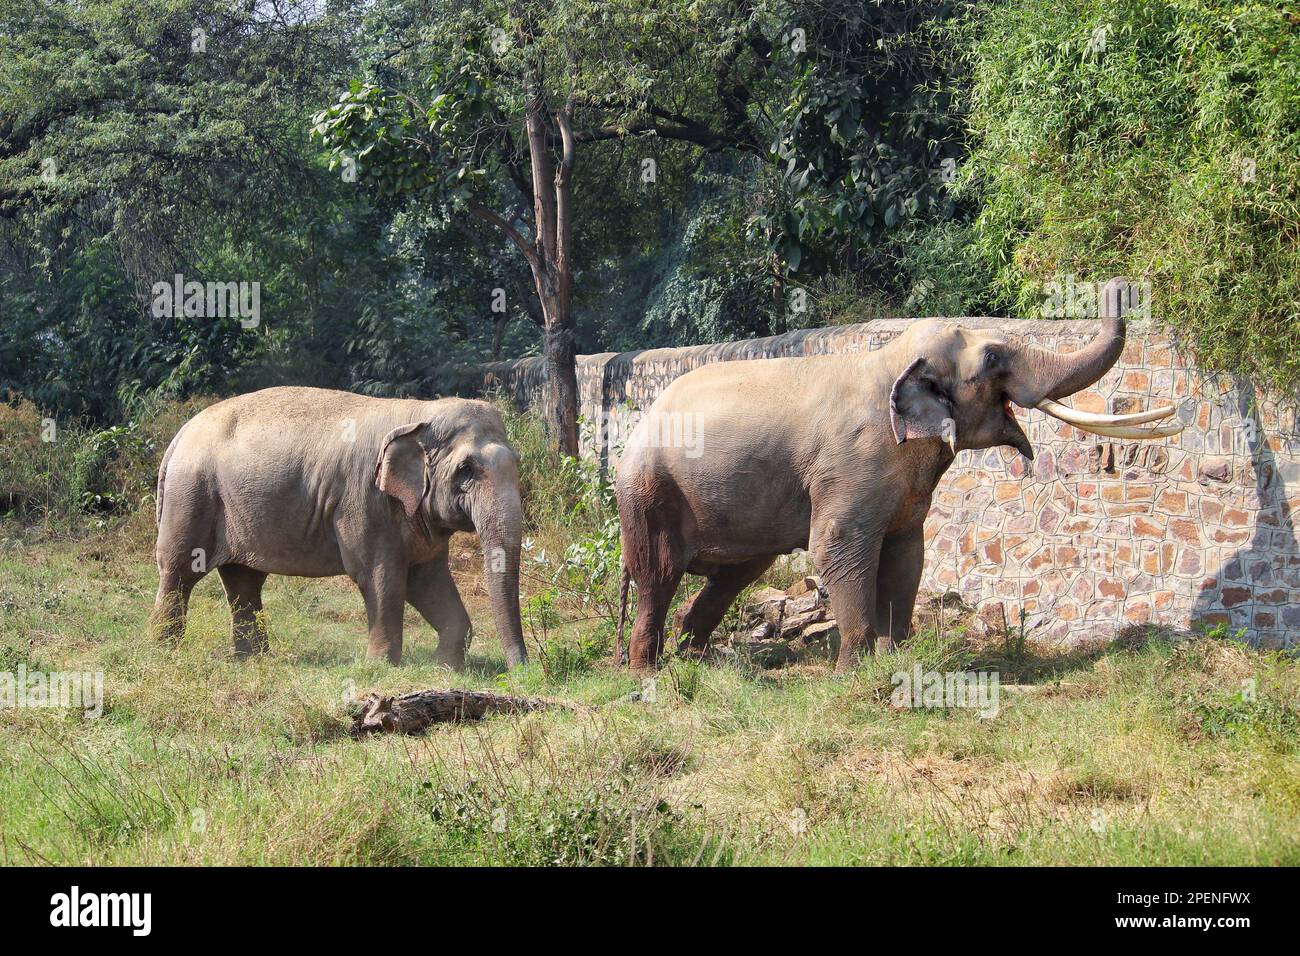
x,y
498,332
553,269
559,351
549,256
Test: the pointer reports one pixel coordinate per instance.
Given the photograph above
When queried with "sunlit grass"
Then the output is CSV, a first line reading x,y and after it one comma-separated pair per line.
x,y
1124,756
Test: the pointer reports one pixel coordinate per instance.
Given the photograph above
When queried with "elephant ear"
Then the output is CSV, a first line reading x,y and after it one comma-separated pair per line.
x,y
400,470
919,406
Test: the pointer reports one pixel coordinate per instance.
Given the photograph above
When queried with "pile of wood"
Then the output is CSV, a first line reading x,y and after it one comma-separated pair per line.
x,y
412,713
786,627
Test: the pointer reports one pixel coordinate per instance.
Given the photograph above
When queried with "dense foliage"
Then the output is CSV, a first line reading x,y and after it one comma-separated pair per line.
x,y
816,161
1158,140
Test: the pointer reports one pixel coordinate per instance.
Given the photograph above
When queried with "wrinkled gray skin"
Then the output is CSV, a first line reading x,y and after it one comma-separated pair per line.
x,y
311,482
836,454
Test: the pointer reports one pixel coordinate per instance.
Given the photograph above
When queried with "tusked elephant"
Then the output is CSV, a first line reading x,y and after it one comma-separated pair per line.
x,y
836,454
312,482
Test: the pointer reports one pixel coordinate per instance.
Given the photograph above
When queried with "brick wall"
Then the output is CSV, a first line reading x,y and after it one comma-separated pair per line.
x,y
1095,533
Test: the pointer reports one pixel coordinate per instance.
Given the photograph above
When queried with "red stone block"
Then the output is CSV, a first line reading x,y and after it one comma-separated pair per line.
x,y
1186,531
1174,502
1111,588
1231,597
1149,526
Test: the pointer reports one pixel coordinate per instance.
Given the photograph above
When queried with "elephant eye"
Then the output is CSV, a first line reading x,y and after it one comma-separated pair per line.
x,y
993,360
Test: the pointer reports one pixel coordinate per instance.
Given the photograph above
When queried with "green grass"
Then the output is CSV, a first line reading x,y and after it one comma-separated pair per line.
x,y
1136,755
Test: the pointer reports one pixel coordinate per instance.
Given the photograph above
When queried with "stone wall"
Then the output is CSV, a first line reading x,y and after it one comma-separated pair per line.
x,y
1094,534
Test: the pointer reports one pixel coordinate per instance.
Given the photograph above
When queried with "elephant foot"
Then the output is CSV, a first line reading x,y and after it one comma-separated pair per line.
x,y
454,659
384,651
247,649
693,649
847,662
167,633
167,624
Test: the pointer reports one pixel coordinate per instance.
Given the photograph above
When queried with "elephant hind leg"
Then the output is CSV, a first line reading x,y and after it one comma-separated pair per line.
x,y
431,590
244,592
698,619
653,598
654,552
185,552
167,620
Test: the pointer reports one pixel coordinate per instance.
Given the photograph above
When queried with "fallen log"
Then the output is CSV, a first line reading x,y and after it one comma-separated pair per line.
x,y
412,713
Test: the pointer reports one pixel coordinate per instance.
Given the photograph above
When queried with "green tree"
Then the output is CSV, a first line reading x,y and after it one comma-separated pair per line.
x,y
497,104
1158,140
141,139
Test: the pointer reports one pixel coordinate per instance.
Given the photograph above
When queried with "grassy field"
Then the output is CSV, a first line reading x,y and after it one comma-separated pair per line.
x,y
1146,753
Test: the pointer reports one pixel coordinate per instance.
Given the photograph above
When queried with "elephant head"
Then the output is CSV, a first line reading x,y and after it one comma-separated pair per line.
x,y
462,475
960,385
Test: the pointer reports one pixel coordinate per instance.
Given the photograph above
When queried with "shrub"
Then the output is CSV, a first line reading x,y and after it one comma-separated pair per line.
x,y
57,471
570,510
1148,138
613,821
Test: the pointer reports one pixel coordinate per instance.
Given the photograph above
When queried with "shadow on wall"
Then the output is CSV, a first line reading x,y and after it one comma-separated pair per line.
x,y
1254,588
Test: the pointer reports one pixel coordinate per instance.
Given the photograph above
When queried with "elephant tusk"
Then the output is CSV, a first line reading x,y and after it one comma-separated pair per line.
x,y
1085,419
1127,431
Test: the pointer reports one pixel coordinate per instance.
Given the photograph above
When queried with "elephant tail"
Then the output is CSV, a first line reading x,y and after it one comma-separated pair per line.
x,y
162,474
622,613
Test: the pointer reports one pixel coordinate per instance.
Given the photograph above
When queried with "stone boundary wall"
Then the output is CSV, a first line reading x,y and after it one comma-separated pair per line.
x,y
1096,533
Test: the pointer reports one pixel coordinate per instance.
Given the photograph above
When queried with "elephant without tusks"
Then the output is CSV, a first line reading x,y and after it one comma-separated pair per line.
x,y
838,454
313,483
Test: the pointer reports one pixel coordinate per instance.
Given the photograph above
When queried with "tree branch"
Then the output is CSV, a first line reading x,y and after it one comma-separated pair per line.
x,y
487,215
695,133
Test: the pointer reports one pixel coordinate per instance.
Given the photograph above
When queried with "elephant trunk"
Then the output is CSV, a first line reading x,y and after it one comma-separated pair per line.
x,y
1050,375
498,518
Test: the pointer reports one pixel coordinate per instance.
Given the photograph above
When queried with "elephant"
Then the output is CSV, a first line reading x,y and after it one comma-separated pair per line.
x,y
313,482
835,454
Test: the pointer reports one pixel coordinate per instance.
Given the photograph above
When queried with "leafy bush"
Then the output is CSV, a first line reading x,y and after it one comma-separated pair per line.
x,y
1148,138
944,273
572,549
569,510
57,471
1234,715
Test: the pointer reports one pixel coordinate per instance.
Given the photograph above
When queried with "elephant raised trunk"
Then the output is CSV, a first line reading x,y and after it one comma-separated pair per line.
x,y
1041,374
839,455
497,513
1048,376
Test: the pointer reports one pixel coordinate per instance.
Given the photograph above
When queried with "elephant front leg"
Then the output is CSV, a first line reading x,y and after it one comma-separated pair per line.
x,y
847,556
384,590
432,592
901,559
